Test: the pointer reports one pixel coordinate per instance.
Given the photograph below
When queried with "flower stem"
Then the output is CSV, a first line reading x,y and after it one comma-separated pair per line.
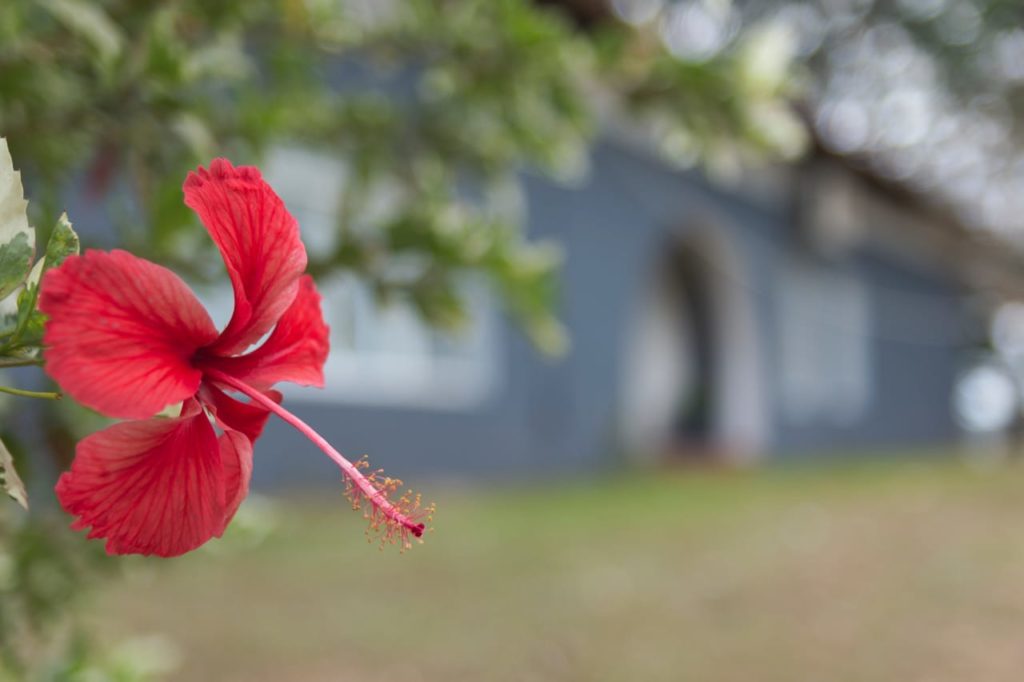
x,y
20,362
48,395
365,485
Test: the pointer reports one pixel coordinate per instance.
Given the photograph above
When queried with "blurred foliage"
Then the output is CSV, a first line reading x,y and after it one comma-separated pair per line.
x,y
439,103
727,112
43,567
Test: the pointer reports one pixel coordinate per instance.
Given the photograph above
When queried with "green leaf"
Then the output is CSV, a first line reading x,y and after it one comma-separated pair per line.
x,y
31,322
28,331
63,243
17,239
9,479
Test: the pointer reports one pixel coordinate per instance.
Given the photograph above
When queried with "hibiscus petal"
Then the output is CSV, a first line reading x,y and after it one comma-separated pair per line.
x,y
295,351
236,458
242,423
149,487
122,332
259,241
235,415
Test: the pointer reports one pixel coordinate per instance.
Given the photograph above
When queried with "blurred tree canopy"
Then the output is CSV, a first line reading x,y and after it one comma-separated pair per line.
x,y
925,93
126,96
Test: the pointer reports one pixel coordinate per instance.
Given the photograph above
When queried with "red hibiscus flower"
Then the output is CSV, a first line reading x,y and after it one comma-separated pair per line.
x,y
128,338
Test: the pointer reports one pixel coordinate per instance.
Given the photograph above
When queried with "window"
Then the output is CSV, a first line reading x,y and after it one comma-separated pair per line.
x,y
825,332
387,355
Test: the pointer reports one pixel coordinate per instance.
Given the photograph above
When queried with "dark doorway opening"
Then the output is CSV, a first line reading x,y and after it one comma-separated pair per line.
x,y
686,273
670,395
692,385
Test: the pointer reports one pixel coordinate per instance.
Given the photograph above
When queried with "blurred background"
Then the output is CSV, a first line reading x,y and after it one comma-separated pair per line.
x,y
701,321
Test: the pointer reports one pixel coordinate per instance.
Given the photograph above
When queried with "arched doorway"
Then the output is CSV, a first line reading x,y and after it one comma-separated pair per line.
x,y
692,384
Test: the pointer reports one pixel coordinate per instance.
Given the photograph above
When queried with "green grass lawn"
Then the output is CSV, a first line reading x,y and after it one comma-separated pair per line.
x,y
904,572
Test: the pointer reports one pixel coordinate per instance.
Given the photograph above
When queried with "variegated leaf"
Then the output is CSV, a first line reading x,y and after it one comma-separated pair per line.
x,y
17,239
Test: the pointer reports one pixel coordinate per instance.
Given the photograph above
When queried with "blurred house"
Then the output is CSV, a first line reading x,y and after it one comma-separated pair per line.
x,y
802,309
